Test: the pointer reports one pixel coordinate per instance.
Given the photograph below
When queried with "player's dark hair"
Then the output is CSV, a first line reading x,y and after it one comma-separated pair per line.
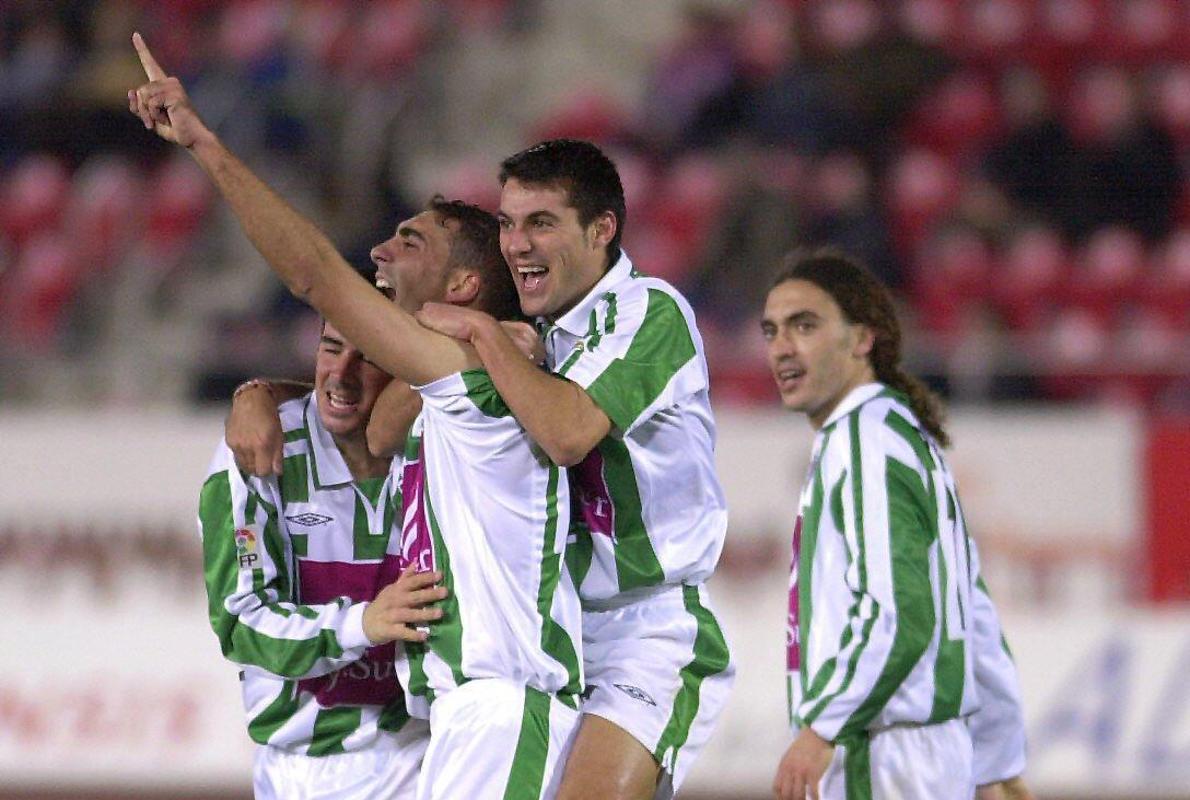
x,y
583,171
475,245
864,300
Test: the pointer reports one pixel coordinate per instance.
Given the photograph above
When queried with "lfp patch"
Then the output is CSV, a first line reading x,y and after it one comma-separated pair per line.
x,y
246,548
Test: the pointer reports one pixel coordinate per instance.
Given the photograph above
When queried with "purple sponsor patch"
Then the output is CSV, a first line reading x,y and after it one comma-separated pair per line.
x,y
372,680
589,493
417,546
793,649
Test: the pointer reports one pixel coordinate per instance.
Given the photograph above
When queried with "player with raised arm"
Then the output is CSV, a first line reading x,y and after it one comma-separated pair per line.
x,y
299,574
502,668
893,644
626,402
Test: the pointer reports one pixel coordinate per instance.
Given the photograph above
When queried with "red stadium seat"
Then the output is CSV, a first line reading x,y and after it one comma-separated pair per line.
x,y
995,31
33,197
104,210
179,196
1167,285
960,116
1034,267
922,187
1145,31
250,30
951,274
390,36
1109,270
44,281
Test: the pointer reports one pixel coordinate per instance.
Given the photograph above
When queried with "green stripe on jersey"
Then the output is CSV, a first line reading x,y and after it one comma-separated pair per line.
x,y
482,392
660,348
221,573
555,640
710,658
295,480
262,727
365,544
579,552
636,561
812,516
446,635
910,533
297,435
532,747
857,767
331,727
394,715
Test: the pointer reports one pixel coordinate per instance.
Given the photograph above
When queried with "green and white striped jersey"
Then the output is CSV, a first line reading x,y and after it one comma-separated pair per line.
x,y
487,507
883,591
648,507
289,564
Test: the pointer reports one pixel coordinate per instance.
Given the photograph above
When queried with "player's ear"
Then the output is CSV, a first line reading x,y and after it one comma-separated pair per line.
x,y
603,229
462,287
864,342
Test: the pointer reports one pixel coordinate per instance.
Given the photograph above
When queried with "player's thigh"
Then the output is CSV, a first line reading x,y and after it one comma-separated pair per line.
x,y
495,738
658,669
608,763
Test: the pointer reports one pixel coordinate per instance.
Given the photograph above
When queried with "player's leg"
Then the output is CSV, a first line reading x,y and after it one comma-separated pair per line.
x,y
608,763
495,738
658,674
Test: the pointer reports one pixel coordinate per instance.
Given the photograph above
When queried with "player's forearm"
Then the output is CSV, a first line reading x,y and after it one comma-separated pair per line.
x,y
293,246
557,414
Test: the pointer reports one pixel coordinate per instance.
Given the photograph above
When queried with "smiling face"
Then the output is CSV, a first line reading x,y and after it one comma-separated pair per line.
x,y
815,354
346,385
554,258
415,262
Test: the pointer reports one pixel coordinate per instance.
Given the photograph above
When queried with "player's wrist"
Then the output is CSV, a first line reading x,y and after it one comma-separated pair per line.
x,y
254,385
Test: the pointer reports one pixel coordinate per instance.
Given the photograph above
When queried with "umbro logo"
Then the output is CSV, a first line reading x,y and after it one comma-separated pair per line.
x,y
635,693
310,519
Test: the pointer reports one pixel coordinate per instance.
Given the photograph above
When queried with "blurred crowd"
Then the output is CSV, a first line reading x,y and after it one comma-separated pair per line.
x,y
1016,169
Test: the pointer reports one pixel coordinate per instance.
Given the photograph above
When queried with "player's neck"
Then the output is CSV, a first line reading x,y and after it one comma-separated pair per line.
x,y
361,463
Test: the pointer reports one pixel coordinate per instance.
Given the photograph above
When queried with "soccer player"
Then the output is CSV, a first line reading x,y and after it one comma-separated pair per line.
x,y
502,667
626,403
292,569
893,643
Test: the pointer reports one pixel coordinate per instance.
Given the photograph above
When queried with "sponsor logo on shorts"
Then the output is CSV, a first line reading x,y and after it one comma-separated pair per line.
x,y
246,548
636,693
310,519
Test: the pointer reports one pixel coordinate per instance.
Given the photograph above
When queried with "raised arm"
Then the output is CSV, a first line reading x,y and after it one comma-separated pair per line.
x,y
294,247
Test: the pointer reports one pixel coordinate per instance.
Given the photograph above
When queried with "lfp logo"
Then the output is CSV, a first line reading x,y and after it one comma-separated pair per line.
x,y
246,548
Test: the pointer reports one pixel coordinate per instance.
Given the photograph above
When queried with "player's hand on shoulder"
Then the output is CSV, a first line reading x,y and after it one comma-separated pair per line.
x,y
253,430
802,767
162,103
402,606
525,337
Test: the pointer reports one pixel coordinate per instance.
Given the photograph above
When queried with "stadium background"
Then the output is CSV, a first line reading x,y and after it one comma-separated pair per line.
x,y
1016,169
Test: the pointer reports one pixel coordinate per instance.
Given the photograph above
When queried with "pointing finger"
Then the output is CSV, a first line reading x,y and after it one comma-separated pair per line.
x,y
152,69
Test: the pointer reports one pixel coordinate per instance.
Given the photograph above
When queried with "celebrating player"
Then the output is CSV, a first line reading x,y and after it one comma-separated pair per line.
x,y
292,571
893,641
627,404
503,666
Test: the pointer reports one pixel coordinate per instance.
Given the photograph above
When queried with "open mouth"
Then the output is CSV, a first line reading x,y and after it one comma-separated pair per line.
x,y
532,276
342,403
788,377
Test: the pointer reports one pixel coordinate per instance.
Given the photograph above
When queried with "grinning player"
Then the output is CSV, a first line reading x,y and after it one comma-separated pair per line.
x,y
893,641
290,568
627,405
502,667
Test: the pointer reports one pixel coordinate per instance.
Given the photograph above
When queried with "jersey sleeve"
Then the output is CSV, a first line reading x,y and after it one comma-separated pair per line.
x,y
998,726
642,358
883,509
248,574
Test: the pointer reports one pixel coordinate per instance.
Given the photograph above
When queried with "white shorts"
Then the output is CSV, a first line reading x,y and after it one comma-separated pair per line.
x,y
660,669
493,738
903,763
387,769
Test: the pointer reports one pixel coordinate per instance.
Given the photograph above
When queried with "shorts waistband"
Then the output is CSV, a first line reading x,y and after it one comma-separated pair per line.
x,y
632,596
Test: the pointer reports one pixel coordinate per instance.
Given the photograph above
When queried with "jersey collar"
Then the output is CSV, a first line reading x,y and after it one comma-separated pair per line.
x,y
326,462
575,321
853,400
